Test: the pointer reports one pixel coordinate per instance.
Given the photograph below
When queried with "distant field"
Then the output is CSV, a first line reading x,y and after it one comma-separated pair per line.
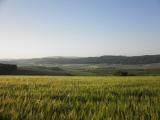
x,y
89,70
79,98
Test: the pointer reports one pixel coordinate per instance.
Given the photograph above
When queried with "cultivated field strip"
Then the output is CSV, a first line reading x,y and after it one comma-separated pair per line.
x,y
79,98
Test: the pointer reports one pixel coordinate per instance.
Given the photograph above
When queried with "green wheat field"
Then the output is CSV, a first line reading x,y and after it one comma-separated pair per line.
x,y
79,98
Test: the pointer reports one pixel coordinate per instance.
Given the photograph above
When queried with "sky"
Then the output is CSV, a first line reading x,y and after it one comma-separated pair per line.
x,y
42,28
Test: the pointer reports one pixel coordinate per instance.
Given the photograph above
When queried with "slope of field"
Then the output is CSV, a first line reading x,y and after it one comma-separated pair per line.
x,y
79,98
41,70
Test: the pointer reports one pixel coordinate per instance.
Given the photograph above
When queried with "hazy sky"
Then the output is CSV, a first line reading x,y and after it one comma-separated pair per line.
x,y
38,28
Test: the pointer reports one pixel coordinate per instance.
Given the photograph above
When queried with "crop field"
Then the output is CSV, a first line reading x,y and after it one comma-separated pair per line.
x,y
79,98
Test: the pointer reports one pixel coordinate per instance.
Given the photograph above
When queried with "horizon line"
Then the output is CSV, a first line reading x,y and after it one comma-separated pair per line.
x,y
74,56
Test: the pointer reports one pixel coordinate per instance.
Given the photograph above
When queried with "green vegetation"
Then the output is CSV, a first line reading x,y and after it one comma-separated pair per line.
x,y
41,70
79,98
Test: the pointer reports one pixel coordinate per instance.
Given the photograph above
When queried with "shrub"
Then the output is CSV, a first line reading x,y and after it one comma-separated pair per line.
x,y
121,73
6,69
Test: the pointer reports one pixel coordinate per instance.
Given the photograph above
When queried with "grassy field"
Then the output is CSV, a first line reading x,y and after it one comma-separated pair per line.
x,y
79,98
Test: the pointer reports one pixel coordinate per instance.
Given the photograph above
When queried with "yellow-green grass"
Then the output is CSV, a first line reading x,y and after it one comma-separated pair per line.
x,y
79,98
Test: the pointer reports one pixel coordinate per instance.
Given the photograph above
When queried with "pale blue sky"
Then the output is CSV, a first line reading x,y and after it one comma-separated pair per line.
x,y
39,28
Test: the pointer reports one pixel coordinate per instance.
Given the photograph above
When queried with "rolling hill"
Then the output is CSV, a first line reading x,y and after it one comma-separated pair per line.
x,y
146,59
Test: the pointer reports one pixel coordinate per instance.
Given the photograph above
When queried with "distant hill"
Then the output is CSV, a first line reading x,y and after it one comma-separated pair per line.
x,y
146,59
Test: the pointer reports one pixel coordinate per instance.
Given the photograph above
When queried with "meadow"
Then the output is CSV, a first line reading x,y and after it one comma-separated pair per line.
x,y
79,98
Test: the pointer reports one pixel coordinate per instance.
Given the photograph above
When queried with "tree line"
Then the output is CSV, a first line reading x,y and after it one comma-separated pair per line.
x,y
6,69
